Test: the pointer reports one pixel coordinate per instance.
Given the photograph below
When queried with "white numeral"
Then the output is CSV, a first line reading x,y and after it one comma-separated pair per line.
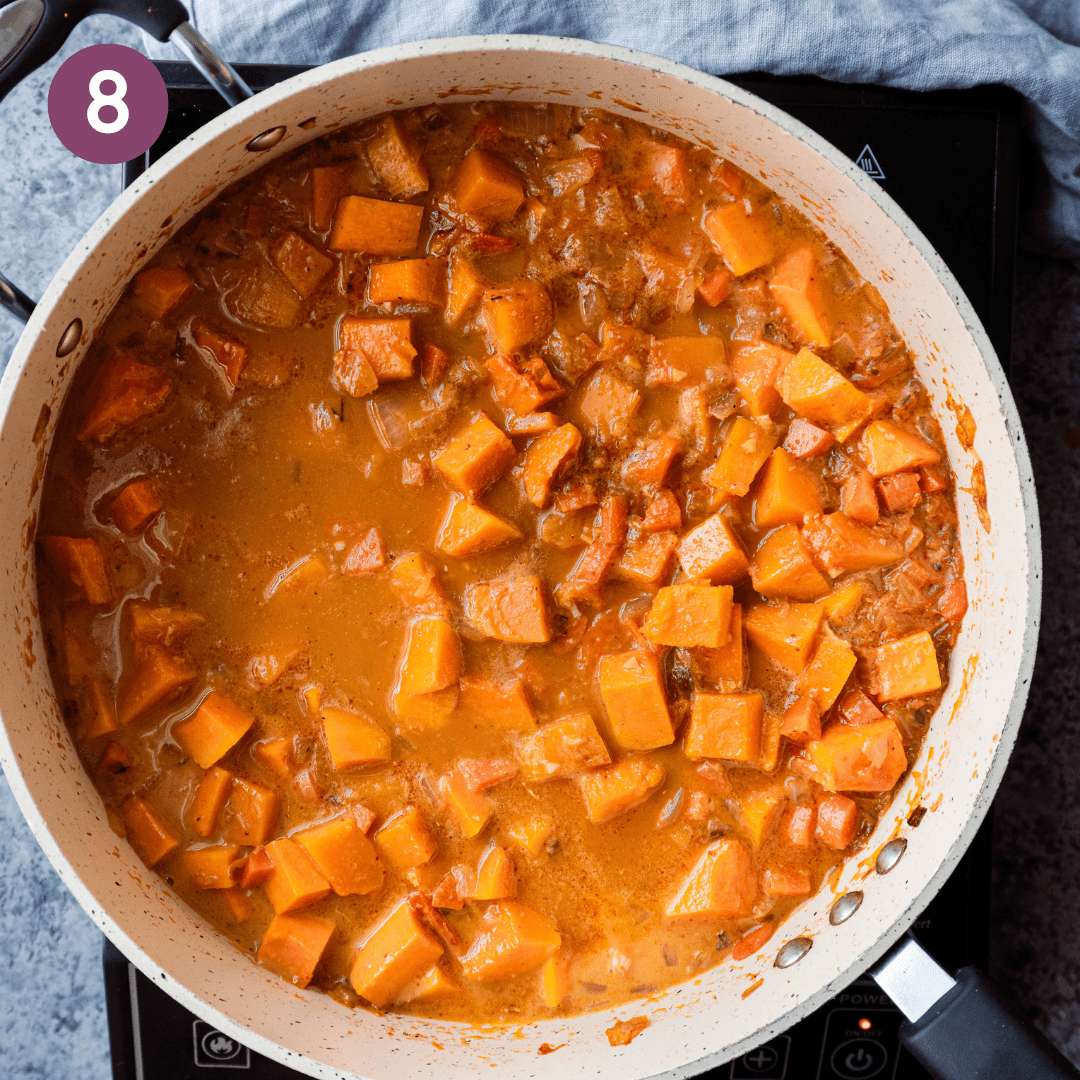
x,y
115,99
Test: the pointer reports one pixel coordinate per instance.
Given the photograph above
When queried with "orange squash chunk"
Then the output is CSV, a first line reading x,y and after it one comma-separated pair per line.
x,y
843,602
522,386
396,160
510,610
405,840
161,288
209,799
804,439
760,812
476,458
841,544
531,833
208,867
136,504
869,757
515,939
907,667
663,513
417,281
725,726
689,615
295,881
837,821
466,288
786,492
213,729
468,529
375,226
353,740
886,448
158,676
674,360
833,661
799,287
784,633
487,187
724,668
722,884
470,808
496,876
545,458
436,984
328,184
858,499
102,718
515,315
386,345
716,287
756,368
533,423
123,391
417,582
499,705
646,557
745,240
614,789
299,577
237,906
899,492
81,560
397,951
786,881
148,835
747,447
353,373
250,813
366,555
294,944
649,461
712,552
562,749
608,404
632,689
432,657
854,708
816,391
302,264
782,567
802,720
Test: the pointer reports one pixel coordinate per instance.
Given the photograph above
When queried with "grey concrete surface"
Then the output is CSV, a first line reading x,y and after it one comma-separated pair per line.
x,y
52,1013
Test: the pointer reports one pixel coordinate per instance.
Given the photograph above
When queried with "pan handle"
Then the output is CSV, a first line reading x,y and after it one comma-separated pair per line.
x,y
963,1028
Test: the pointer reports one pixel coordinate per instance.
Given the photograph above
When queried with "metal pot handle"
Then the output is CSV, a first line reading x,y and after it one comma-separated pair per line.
x,y
32,31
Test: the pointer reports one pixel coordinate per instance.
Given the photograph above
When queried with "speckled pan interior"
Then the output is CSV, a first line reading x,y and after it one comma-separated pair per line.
x,y
727,1011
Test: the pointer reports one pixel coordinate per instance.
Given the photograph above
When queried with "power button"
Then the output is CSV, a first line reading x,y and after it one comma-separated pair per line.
x,y
861,1043
857,1059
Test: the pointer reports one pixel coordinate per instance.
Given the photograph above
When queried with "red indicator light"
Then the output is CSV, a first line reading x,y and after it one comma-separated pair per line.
x,y
865,1024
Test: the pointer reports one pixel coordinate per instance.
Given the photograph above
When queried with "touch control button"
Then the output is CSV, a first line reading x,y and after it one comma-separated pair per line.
x,y
859,1058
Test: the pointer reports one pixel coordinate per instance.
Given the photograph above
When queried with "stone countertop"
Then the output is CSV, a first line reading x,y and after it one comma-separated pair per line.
x,y
52,1002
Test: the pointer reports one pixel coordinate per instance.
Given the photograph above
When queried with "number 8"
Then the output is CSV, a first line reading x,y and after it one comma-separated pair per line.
x,y
115,99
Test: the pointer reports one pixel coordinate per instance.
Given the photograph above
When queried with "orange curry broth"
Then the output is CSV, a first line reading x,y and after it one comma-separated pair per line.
x,y
723,366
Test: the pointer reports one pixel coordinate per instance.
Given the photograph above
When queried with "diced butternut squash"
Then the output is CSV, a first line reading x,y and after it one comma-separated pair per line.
x,y
208,867
80,558
250,813
677,360
496,876
375,226
843,602
476,458
417,581
802,720
515,315
841,544
524,385
799,829
209,800
833,661
397,951
238,907
293,946
716,286
816,391
689,615
713,552
405,840
585,580
500,705
160,289
866,758
353,373
663,513
786,881
725,726
123,391
608,404
510,610
899,492
136,504
213,729
468,529
837,821
545,458
782,567
471,809
398,163
787,491
302,264
466,288
386,345
158,676
907,667
747,447
353,739
295,881
533,423
646,557
885,449
149,836
650,460
298,578
432,657
253,871
799,287
759,813
784,633
102,709
409,281
769,758
366,555
854,707
614,789
756,368
858,499
722,884
531,833
328,184
554,981
746,235
725,668
487,187
514,939
804,439
436,984
562,749
425,712
632,689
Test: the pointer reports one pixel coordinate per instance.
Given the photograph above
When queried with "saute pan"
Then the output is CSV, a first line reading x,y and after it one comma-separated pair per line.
x,y
854,921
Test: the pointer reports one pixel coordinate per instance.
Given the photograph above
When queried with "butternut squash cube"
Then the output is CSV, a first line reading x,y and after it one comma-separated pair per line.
x,y
833,661
409,281
724,668
250,813
531,833
759,813
466,288
397,951
646,557
328,184
787,491
417,582
816,391
711,551
545,458
608,404
632,689
725,726
229,355
353,739
432,657
375,226
496,876
293,946
471,809
476,458
136,504
158,676
386,345
80,558
786,881
858,499
515,939
209,799
523,385
160,289
745,451
886,448
213,729
614,789
722,884
869,757
689,615
756,368
123,391
102,718
799,287
398,163
899,492
302,265
907,667
837,821
510,610
649,461
295,881
405,840
674,360
499,705
554,982
804,439
515,315
784,633
298,578
425,712
782,567
562,749
841,545
487,187
855,708
746,235
436,984
208,867
149,836
468,529
150,625
802,720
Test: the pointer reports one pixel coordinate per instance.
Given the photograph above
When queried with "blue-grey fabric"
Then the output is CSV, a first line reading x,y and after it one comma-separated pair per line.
x,y
1030,45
